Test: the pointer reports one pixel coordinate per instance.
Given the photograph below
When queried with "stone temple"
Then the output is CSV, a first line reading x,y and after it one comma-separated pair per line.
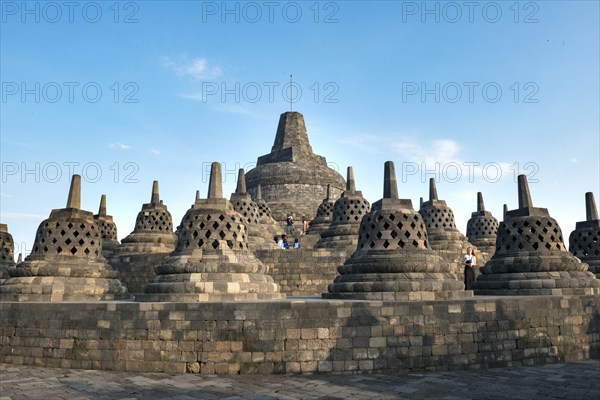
x,y
584,241
66,263
531,258
482,229
108,229
292,178
7,252
393,260
382,291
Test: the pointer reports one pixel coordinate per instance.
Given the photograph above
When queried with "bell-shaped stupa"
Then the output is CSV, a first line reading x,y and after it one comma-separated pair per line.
x,y
482,229
393,260
531,258
324,215
108,229
293,179
212,260
584,241
66,263
258,234
153,232
443,235
348,211
7,252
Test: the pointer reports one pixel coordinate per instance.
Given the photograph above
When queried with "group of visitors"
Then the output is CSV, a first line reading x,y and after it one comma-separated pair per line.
x,y
290,226
283,243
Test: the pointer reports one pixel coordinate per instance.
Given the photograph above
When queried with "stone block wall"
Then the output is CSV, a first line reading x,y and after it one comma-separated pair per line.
x,y
136,270
301,336
304,272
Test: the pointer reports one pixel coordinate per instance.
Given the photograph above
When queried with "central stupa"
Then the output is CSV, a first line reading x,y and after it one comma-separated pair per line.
x,y
292,178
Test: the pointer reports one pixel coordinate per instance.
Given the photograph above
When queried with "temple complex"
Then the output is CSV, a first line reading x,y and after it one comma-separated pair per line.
x,y
212,260
393,260
531,258
7,252
66,263
348,210
482,229
444,237
584,241
292,178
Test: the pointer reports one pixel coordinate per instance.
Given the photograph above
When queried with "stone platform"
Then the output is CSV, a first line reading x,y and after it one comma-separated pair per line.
x,y
302,335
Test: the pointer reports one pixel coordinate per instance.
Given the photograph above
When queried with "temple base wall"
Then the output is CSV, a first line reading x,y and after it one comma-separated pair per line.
x,y
302,336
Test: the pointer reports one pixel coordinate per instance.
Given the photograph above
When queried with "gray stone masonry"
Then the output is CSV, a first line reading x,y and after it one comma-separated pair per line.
x,y
324,215
444,237
348,210
108,230
531,258
7,252
393,260
302,336
584,241
293,179
212,260
66,263
482,229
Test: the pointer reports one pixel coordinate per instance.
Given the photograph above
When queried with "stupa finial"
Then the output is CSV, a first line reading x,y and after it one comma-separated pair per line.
x,y
504,211
74,200
328,192
258,192
155,198
591,213
390,186
241,182
523,192
432,190
215,185
480,205
350,184
197,195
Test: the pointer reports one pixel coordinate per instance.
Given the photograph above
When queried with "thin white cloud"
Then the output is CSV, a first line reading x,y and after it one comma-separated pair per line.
x,y
20,216
573,160
197,68
119,146
154,152
233,109
5,195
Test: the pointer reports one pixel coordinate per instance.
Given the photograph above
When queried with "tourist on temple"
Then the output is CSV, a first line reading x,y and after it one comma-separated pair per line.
x,y
290,225
469,261
297,244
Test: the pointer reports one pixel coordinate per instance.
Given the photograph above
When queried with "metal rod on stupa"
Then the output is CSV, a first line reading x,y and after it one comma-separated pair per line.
x,y
390,186
215,185
74,200
432,190
241,182
591,213
480,205
350,184
155,198
523,192
102,209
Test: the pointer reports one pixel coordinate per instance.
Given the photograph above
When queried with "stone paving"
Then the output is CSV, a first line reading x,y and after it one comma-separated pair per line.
x,y
579,380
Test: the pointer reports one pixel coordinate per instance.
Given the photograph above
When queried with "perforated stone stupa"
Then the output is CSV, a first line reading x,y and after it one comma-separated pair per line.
x,y
293,179
153,232
66,263
108,229
443,235
264,211
212,261
482,229
393,260
324,215
348,210
7,252
259,235
531,258
584,241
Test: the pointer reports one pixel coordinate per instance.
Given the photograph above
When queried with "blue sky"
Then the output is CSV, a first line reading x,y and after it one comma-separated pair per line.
x,y
128,92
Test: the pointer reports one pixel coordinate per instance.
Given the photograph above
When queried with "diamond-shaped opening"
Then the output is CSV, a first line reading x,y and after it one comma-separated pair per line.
x,y
521,246
200,243
222,235
392,217
525,223
70,225
371,244
57,250
415,243
540,238
81,242
536,245
401,244
386,244
76,233
407,234
202,225
548,246
215,244
73,250
393,234
68,241
207,234
86,251
228,226
221,217
195,234
62,233
413,225
53,241
379,235
419,235
230,244
215,225
208,217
